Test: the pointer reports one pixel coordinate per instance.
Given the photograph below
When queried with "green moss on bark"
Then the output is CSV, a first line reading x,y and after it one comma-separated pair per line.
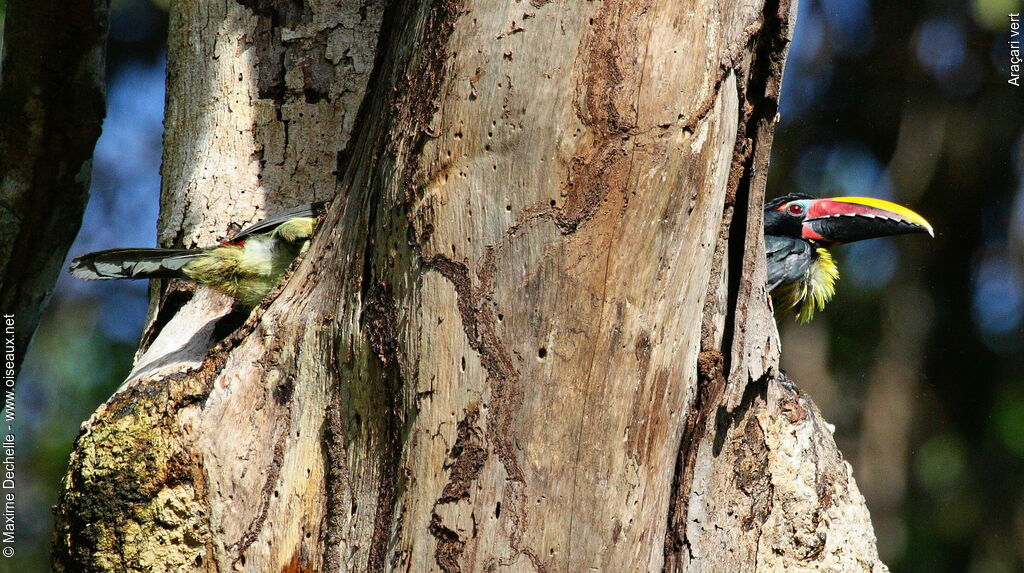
x,y
132,499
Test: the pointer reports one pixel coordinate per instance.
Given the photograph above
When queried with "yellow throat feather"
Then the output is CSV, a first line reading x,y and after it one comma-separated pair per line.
x,y
814,290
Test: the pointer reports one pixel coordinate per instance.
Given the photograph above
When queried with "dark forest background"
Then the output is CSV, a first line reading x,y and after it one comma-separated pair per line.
x,y
918,361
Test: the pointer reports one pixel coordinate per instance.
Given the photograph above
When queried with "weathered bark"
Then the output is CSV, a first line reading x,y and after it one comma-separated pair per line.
x,y
244,135
531,334
52,103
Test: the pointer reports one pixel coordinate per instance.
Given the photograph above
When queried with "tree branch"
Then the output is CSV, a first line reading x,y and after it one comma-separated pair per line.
x,y
52,103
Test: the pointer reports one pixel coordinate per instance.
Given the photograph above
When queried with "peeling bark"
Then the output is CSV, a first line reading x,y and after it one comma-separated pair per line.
x,y
531,333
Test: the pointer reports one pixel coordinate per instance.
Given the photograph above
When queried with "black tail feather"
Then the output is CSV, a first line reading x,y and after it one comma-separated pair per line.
x,y
133,264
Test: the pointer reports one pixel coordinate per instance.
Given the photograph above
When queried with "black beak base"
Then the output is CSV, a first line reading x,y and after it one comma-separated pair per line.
x,y
851,228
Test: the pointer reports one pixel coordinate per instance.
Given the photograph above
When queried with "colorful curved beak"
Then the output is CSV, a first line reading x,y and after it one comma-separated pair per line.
x,y
848,219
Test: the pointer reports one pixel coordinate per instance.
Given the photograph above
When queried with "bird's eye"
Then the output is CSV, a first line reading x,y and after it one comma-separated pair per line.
x,y
796,208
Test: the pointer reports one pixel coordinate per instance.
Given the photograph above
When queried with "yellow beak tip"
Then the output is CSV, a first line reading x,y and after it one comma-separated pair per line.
x,y
905,213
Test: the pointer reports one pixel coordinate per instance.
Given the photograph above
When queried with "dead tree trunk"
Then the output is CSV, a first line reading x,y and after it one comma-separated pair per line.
x,y
531,334
52,102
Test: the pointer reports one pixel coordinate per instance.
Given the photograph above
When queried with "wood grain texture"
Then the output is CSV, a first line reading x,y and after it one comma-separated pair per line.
x,y
531,333
243,138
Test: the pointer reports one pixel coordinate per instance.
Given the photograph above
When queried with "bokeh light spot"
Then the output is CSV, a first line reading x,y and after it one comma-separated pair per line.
x,y
939,464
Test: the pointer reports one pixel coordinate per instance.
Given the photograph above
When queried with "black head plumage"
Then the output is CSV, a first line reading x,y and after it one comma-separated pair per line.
x,y
782,223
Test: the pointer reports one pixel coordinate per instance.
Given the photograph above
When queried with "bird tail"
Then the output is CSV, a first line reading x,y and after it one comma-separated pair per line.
x,y
134,264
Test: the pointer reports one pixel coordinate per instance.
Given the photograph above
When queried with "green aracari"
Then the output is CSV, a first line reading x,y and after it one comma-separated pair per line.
x,y
799,229
245,267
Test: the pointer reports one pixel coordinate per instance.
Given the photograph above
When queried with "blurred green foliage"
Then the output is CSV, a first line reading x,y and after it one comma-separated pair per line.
x,y
922,360
906,100
74,366
86,342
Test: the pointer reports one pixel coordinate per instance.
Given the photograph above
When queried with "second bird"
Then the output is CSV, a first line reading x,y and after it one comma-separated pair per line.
x,y
799,228
246,267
